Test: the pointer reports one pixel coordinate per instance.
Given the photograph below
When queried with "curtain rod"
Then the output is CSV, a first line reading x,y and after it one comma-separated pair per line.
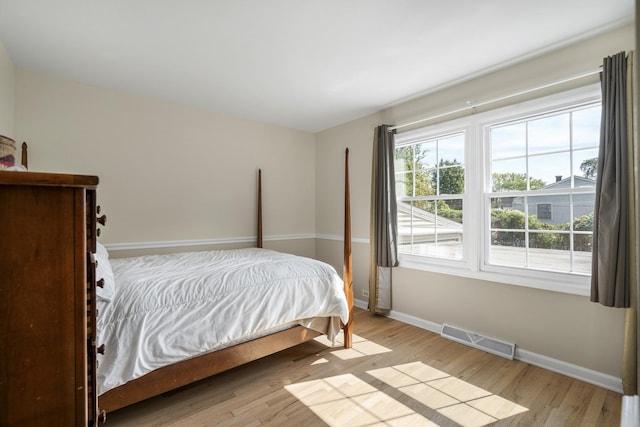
x,y
471,105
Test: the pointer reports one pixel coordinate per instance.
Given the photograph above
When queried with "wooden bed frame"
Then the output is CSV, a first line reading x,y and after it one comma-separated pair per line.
x,y
25,161
177,375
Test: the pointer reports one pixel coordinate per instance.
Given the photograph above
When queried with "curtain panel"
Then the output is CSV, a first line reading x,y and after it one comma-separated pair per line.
x,y
384,228
614,278
610,269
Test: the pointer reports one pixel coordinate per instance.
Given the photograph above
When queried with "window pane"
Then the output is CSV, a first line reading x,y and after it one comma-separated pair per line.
x,y
405,223
552,241
583,206
425,182
582,232
583,242
582,246
585,163
403,159
404,165
549,134
448,239
509,141
549,251
550,169
454,204
507,248
451,180
450,216
427,154
404,184
502,202
582,259
586,127
509,175
415,225
431,228
451,149
507,218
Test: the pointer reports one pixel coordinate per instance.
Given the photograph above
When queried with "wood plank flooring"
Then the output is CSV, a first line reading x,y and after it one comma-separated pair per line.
x,y
396,375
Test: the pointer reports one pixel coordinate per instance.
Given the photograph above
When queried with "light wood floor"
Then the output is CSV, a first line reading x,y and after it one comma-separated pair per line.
x,y
396,375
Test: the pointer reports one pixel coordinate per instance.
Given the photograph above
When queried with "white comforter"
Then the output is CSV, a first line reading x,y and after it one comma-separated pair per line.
x,y
169,308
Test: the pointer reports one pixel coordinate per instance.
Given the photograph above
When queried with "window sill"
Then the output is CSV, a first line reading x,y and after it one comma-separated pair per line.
x,y
548,281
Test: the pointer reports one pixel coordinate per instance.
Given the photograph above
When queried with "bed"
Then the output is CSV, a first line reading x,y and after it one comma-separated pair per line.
x,y
185,330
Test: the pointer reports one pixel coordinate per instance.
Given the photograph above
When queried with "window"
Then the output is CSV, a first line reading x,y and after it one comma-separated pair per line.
x,y
543,210
506,195
430,189
543,166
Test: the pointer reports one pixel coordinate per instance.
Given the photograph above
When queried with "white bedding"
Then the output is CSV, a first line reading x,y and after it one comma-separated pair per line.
x,y
168,308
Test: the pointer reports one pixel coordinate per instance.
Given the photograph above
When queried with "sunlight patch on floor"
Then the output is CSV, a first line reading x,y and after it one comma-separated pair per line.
x,y
452,397
346,400
361,347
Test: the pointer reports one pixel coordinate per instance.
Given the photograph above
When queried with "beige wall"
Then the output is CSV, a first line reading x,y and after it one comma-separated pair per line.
x,y
167,171
7,93
561,326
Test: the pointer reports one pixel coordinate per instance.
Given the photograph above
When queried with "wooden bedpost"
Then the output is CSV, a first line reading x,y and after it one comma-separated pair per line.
x,y
25,158
259,243
347,275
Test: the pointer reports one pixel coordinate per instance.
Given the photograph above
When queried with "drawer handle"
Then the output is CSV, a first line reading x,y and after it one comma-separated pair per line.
x,y
102,418
100,350
102,219
100,283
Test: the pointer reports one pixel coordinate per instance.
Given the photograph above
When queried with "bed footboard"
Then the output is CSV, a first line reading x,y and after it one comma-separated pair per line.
x,y
189,371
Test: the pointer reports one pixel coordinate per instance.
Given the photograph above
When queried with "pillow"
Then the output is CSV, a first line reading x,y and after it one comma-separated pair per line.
x,y
103,271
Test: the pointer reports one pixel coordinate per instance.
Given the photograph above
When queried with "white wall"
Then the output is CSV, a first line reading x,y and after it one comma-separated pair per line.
x,y
167,172
565,327
7,94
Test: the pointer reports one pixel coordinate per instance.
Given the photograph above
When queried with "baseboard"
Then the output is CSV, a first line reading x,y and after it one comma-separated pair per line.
x,y
599,379
574,371
416,321
361,304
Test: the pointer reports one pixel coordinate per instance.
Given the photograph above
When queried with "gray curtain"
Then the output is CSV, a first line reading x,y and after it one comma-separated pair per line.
x,y
384,228
615,275
610,266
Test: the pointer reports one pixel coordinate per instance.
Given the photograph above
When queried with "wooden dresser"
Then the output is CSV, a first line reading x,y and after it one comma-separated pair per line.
x,y
47,299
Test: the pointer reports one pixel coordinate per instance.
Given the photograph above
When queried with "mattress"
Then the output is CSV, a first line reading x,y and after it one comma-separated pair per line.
x,y
168,308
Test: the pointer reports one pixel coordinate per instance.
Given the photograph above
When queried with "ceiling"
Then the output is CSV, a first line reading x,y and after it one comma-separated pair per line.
x,y
303,64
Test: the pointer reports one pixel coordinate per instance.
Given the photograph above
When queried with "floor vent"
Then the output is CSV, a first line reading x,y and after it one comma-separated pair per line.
x,y
491,345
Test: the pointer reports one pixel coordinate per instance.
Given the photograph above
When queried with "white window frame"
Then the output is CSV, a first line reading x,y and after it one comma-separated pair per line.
x,y
432,132
476,217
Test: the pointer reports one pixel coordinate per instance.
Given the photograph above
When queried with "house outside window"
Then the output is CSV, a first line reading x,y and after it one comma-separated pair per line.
x,y
520,208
